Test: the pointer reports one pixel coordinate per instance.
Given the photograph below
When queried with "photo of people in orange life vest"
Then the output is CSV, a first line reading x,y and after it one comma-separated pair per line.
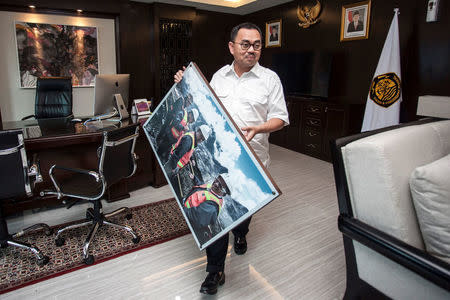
x,y
215,177
203,204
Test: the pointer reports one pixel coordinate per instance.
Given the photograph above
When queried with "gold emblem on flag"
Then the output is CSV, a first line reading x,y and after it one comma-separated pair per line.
x,y
385,89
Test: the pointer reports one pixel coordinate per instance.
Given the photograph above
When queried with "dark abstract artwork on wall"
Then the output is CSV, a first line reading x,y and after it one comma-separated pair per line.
x,y
56,50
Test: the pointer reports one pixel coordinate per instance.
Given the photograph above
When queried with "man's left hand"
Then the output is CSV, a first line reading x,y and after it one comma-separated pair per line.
x,y
269,126
250,132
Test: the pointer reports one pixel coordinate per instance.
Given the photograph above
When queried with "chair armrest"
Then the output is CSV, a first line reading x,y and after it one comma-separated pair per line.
x,y
35,169
11,150
420,262
75,170
57,186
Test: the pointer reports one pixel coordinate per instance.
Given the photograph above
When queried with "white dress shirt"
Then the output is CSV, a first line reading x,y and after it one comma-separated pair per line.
x,y
251,100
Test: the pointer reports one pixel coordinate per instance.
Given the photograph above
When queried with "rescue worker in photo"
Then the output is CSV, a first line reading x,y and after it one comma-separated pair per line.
x,y
181,122
175,128
182,150
181,102
203,204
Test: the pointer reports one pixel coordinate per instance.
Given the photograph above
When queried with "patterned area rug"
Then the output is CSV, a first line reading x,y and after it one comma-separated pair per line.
x,y
155,223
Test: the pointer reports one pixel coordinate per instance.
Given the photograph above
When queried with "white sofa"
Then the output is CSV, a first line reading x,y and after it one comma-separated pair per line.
x,y
381,221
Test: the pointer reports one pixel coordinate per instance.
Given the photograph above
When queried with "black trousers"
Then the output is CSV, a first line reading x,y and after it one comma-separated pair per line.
x,y
217,252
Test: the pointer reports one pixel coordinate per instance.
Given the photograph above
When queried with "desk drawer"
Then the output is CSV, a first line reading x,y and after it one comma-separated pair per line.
x,y
313,122
312,140
313,108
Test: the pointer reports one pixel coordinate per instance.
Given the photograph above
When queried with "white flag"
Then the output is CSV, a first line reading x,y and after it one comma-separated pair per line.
x,y
383,101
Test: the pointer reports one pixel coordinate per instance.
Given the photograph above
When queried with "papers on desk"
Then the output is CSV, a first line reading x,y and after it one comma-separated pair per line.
x,y
99,125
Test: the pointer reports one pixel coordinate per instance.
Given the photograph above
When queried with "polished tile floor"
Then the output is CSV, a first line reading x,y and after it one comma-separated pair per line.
x,y
295,249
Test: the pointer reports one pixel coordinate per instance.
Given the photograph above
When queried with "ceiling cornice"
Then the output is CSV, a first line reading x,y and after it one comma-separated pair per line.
x,y
226,7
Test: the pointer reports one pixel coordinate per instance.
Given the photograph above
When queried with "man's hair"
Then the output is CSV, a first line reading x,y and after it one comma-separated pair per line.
x,y
246,25
356,13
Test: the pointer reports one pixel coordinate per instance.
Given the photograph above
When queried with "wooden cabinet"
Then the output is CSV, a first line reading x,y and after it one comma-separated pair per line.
x,y
313,123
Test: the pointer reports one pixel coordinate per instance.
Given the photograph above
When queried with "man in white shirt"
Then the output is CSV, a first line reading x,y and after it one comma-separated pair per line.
x,y
253,96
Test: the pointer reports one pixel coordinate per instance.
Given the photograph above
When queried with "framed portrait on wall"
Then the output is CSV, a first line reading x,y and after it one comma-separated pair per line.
x,y
273,33
215,176
45,50
355,21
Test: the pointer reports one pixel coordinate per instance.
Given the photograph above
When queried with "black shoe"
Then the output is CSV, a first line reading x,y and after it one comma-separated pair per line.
x,y
212,282
240,245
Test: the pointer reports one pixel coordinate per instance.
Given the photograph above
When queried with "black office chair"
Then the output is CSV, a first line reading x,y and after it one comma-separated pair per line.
x,y
117,161
53,98
15,182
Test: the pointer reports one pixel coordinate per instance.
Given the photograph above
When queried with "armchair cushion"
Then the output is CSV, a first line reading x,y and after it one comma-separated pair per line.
x,y
430,189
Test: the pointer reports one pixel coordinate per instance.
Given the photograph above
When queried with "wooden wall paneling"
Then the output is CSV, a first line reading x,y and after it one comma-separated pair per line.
x,y
136,49
433,52
424,46
424,49
166,11
211,34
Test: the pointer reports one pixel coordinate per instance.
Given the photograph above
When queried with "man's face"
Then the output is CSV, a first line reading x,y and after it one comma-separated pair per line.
x,y
188,101
356,18
190,117
199,136
217,188
245,59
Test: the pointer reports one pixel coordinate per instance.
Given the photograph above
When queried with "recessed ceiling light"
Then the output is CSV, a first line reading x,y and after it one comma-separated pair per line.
x,y
224,3
79,10
31,6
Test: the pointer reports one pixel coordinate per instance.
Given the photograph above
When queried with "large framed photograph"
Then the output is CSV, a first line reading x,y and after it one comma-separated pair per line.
x,y
355,21
216,177
273,33
45,50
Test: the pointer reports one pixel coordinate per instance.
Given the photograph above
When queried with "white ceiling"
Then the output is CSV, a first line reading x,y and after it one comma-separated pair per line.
x,y
237,7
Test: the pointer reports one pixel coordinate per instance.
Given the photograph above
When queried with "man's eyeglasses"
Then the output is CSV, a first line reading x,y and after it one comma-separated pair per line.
x,y
246,45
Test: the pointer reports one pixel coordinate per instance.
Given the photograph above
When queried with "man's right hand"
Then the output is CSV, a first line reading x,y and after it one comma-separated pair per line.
x,y
179,75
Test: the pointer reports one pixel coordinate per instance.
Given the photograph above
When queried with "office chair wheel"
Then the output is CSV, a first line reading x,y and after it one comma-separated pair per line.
x,y
89,260
43,261
129,216
136,240
59,241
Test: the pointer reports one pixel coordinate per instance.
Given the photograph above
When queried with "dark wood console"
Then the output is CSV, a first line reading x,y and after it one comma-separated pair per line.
x,y
313,123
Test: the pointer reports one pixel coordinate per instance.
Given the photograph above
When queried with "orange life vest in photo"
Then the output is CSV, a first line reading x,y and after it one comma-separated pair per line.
x,y
201,196
177,133
187,156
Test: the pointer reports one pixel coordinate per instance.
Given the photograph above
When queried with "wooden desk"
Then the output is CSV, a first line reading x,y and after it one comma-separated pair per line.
x,y
72,144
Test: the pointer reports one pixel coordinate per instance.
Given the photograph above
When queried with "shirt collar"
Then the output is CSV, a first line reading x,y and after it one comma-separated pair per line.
x,y
256,70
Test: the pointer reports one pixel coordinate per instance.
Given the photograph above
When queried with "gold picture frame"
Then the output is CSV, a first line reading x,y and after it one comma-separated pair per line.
x,y
273,33
355,21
